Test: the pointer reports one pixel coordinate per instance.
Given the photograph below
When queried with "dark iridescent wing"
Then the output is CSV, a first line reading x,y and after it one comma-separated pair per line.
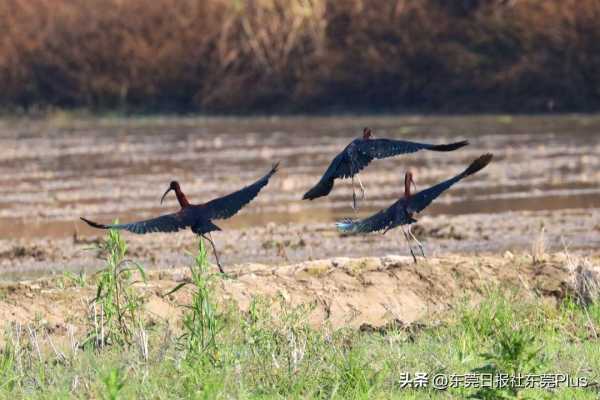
x,y
325,184
165,223
227,206
382,148
322,188
380,221
356,160
419,201
345,165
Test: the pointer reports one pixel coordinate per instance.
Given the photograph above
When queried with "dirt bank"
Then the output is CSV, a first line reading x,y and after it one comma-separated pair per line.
x,y
360,292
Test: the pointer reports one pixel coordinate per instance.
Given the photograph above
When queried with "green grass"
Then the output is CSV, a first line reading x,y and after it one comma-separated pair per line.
x,y
272,352
115,311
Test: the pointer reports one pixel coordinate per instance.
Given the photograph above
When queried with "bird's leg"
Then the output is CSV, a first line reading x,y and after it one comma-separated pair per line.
x,y
416,240
214,251
362,188
353,195
409,246
362,192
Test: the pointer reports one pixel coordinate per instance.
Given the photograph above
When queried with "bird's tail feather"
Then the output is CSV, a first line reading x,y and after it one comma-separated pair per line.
x,y
449,146
346,225
478,164
95,224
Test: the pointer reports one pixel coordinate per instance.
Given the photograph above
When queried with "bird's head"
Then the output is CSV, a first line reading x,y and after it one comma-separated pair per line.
x,y
367,133
174,185
408,181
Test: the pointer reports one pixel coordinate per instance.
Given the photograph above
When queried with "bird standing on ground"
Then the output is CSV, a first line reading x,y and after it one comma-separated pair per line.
x,y
198,217
360,152
402,211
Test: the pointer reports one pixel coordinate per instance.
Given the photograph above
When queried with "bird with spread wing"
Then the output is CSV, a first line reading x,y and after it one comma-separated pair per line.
x,y
198,217
402,211
360,152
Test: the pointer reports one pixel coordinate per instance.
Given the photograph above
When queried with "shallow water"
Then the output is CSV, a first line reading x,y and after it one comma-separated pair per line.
x,y
54,171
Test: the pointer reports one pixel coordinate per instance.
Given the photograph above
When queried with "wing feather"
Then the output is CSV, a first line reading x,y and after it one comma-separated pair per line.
x,y
345,165
164,223
419,201
228,206
325,184
383,148
380,221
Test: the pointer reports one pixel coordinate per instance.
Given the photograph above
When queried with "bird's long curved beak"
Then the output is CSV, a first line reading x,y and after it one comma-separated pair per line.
x,y
165,195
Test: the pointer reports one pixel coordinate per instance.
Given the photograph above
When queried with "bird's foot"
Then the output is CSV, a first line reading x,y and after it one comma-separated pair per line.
x,y
226,276
223,274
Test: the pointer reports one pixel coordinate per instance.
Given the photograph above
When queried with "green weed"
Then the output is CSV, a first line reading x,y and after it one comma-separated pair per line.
x,y
114,382
115,311
201,321
79,280
515,353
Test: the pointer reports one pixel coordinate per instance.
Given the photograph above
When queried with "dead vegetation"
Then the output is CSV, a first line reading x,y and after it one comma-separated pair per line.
x,y
300,55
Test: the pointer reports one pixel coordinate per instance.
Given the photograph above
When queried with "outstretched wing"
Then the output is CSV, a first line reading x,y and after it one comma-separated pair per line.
x,y
419,201
345,165
228,206
325,184
322,188
165,223
383,148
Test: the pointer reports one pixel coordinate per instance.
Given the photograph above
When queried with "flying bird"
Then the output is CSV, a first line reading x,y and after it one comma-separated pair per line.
x,y
360,152
402,211
198,217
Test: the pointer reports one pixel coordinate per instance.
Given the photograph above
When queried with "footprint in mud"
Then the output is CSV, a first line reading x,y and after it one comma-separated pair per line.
x,y
438,232
19,252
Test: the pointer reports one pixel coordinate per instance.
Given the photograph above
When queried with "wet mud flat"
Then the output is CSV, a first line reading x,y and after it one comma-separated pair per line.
x,y
574,231
542,187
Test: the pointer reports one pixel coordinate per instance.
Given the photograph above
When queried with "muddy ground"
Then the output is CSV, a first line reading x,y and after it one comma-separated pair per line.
x,y
577,231
544,177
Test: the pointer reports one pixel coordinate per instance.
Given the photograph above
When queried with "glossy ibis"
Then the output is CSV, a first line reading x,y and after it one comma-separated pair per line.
x,y
402,211
360,152
198,217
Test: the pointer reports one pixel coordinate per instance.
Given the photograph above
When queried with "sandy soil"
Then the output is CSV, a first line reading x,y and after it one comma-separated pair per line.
x,y
366,293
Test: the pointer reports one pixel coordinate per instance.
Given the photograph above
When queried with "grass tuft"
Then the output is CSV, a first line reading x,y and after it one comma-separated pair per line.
x,y
115,312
